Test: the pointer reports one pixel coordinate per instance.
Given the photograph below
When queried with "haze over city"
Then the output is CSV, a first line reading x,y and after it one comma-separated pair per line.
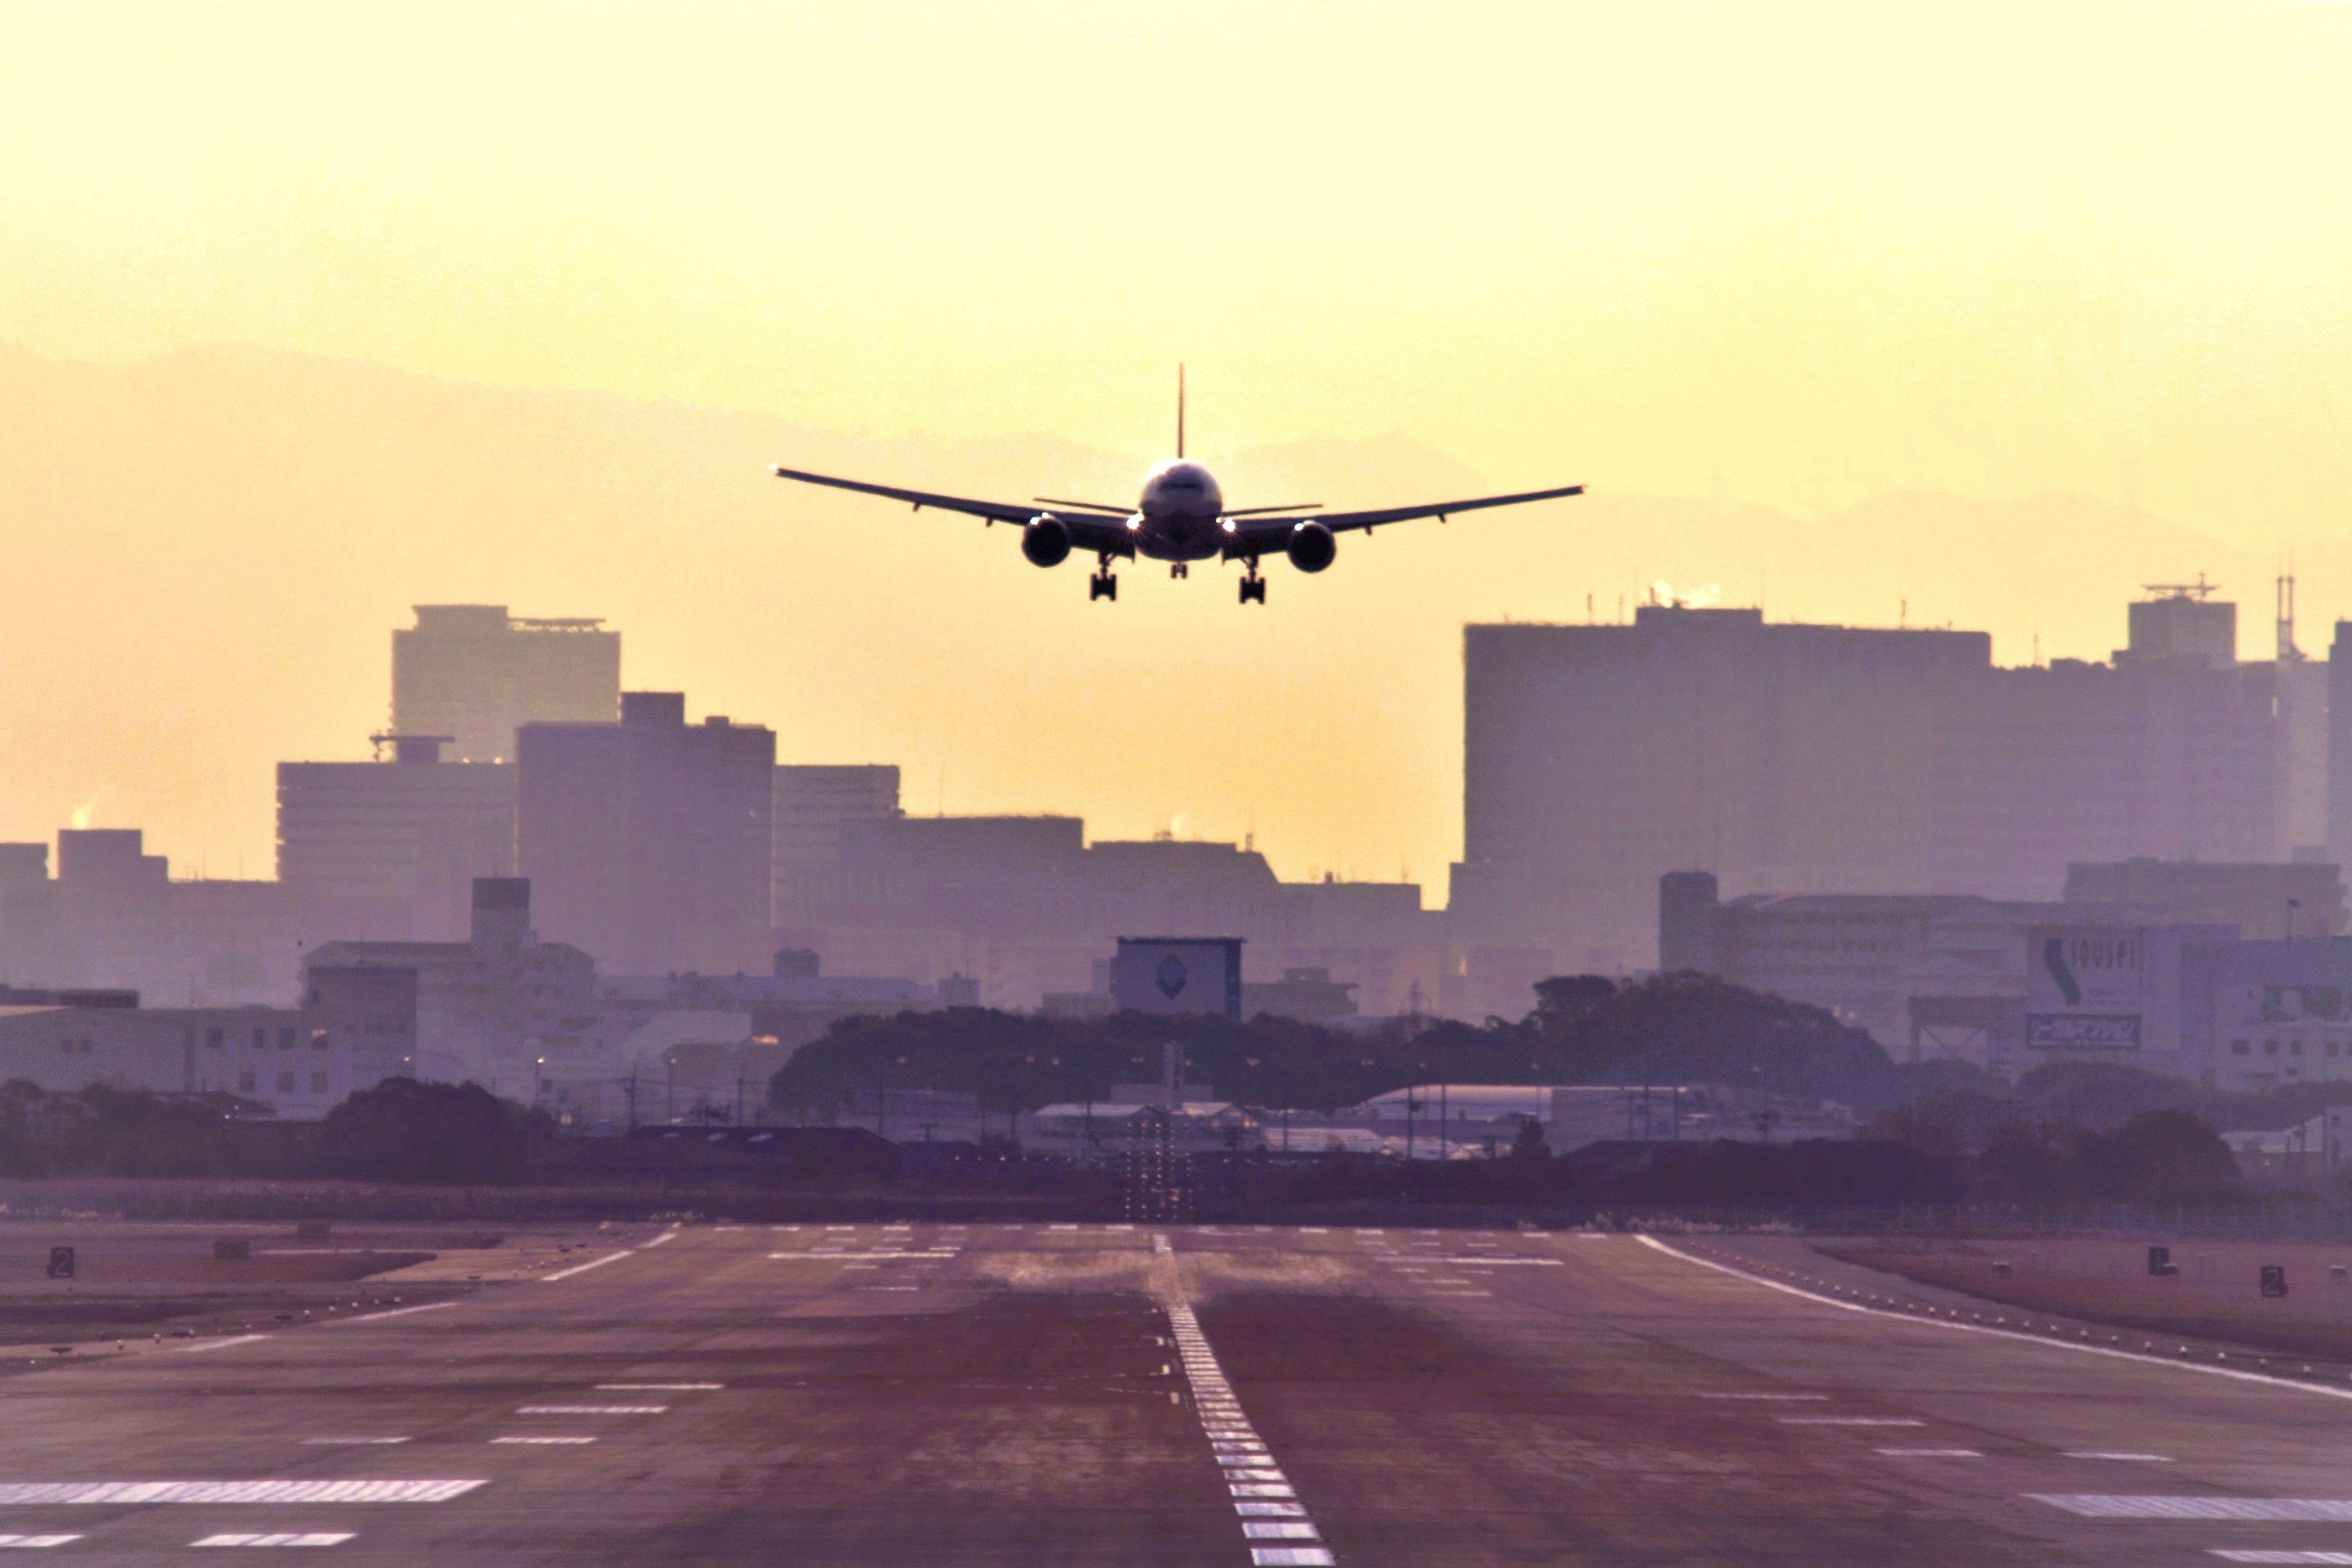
x,y
1900,312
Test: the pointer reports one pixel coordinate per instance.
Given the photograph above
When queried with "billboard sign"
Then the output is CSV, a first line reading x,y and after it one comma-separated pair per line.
x,y
2085,988
1178,975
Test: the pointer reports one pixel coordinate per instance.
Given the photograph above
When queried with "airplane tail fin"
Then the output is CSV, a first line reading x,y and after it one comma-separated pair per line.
x,y
1180,409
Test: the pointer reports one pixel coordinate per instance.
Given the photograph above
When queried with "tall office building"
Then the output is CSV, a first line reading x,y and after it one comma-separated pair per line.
x,y
475,674
811,808
1791,759
647,841
391,847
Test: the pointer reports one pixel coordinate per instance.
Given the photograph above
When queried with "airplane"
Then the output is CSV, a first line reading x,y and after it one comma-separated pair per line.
x,y
1179,518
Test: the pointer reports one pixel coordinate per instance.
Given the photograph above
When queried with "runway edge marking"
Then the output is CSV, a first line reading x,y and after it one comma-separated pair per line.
x,y
2324,1390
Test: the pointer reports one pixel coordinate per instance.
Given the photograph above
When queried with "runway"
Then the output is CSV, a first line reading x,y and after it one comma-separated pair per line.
x,y
1089,1396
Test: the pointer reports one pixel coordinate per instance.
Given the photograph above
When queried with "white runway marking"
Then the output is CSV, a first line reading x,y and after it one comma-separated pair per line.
x,y
665,1235
1290,1557
546,1442
2075,1346
1280,1530
20,1494
2235,1554
1490,1262
1775,1396
1270,1510
591,1409
2094,1505
1929,1452
218,1345
583,1267
36,1540
656,1387
2128,1459
348,1442
395,1313
1847,1421
281,1538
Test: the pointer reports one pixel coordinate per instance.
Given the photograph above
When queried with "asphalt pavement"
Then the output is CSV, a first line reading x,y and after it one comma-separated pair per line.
x,y
1108,1396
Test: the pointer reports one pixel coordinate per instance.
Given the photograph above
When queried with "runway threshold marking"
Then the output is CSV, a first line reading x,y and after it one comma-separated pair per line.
x,y
400,1311
350,1442
215,1344
2100,1505
26,1494
2075,1346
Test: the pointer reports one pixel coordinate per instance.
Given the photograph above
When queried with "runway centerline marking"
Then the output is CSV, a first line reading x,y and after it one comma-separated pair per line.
x,y
591,1409
2242,1555
583,1267
323,1538
1848,1421
2074,1346
545,1442
36,1540
2124,1457
658,1387
1259,1488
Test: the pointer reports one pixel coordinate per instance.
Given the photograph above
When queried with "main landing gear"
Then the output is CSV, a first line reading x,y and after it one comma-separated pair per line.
x,y
1102,585
1180,569
1253,586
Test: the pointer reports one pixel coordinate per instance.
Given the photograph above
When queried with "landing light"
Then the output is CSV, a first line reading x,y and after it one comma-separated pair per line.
x,y
1134,523
1226,524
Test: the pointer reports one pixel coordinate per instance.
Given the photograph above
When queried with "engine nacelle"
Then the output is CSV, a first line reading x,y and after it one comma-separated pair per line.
x,y
1045,540
1312,547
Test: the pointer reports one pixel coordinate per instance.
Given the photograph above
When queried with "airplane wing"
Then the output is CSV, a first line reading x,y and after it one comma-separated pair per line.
x,y
1090,532
1266,536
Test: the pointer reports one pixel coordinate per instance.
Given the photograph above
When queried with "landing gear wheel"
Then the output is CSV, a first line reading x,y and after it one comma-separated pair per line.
x,y
1253,588
1102,585
1180,569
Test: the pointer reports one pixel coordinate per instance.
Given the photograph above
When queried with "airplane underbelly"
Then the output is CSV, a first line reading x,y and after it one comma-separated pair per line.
x,y
1182,539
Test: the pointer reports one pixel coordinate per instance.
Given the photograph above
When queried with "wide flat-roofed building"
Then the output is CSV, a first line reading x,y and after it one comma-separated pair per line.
x,y
477,674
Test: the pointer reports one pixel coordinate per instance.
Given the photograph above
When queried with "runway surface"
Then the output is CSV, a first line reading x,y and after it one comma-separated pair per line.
x,y
1098,1396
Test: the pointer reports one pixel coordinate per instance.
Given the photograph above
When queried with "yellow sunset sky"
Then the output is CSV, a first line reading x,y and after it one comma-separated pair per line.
x,y
1799,256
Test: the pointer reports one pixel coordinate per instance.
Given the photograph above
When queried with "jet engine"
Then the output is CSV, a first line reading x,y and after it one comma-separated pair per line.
x,y
1312,547
1045,540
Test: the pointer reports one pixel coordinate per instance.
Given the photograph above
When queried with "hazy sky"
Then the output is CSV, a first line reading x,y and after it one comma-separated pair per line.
x,y
1796,254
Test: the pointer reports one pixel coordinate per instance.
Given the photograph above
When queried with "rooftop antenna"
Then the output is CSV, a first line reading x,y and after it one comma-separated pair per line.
x,y
1179,409
2287,652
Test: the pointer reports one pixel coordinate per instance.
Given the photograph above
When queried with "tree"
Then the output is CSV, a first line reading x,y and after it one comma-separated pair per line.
x,y
405,1130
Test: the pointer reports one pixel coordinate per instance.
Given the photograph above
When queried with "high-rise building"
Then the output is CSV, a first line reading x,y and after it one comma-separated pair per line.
x,y
477,674
811,807
391,847
647,841
1834,760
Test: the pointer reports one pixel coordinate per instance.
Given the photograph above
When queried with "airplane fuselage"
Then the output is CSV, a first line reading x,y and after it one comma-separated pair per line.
x,y
1178,516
